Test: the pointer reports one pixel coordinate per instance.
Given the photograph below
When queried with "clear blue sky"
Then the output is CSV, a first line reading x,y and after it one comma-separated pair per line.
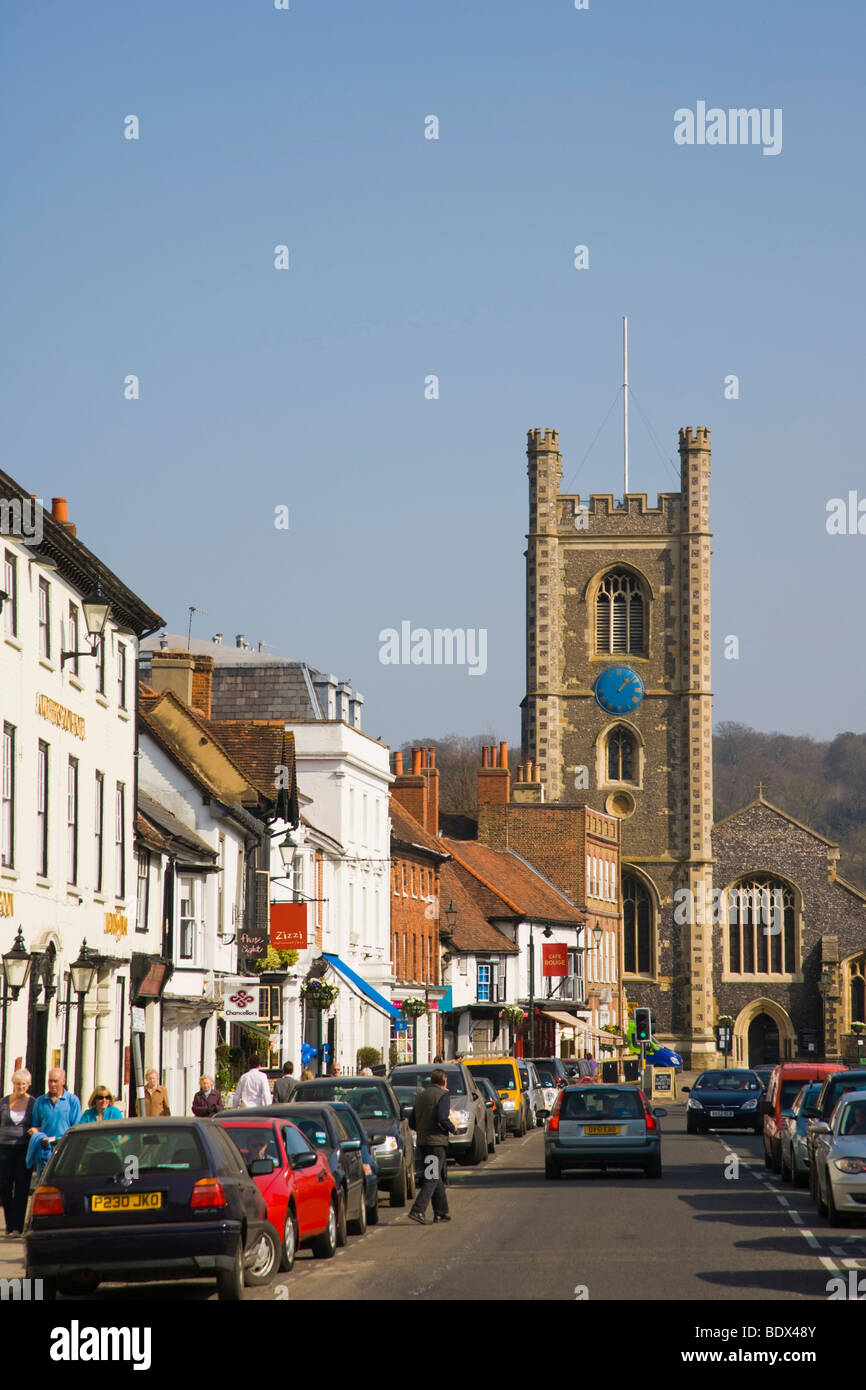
x,y
454,257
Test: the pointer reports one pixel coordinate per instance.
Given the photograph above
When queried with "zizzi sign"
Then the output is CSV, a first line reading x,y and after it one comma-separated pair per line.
x,y
288,926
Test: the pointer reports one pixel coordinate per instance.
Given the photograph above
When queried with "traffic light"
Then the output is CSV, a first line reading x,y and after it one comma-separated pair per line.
x,y
643,1025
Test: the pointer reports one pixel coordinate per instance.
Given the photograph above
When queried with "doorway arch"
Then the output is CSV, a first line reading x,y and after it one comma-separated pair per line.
x,y
773,1032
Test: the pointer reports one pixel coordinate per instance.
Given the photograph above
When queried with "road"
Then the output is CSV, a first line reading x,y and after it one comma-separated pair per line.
x,y
710,1229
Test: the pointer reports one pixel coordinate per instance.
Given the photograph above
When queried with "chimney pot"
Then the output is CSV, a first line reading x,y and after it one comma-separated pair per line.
x,y
503,753
416,761
432,759
398,764
217,639
58,509
484,753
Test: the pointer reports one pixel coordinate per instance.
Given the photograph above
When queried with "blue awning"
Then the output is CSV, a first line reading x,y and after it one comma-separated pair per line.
x,y
363,986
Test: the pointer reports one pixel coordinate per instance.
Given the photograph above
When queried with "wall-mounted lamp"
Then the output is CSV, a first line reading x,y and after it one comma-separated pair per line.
x,y
96,612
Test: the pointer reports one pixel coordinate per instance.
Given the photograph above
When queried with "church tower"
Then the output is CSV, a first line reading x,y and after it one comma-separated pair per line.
x,y
618,709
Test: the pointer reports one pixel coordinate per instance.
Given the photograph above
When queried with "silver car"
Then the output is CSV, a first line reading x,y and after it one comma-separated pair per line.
x,y
476,1135
537,1106
603,1127
839,1151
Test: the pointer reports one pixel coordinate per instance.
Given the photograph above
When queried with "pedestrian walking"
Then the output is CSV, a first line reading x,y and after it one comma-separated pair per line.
x,y
100,1107
207,1100
155,1097
53,1114
432,1126
285,1084
16,1114
253,1087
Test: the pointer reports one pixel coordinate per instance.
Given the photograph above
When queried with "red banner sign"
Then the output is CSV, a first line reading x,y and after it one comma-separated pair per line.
x,y
289,926
554,958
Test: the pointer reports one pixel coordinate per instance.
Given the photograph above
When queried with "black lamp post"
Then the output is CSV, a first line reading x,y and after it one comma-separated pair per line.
x,y
16,969
83,972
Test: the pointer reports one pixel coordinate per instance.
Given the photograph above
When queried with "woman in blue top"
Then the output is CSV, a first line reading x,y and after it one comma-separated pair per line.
x,y
101,1107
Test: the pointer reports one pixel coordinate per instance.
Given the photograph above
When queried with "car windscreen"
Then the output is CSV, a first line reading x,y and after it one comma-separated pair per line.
x,y
313,1128
97,1152
589,1104
789,1092
418,1076
838,1086
730,1081
501,1076
371,1102
546,1075
852,1120
254,1142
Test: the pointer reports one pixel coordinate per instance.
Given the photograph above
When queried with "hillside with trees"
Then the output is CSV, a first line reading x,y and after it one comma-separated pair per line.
x,y
821,784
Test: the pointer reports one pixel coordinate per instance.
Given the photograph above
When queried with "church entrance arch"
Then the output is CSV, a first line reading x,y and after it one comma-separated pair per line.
x,y
763,1034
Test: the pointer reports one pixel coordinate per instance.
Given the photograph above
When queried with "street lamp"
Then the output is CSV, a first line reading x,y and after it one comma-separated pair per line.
x,y
451,914
16,968
288,849
83,972
96,612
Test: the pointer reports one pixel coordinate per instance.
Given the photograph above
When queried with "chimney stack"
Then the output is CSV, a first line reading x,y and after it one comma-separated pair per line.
x,y
494,779
188,676
410,788
431,773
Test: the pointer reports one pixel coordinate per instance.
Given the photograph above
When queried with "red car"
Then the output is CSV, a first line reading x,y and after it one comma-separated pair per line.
x,y
295,1181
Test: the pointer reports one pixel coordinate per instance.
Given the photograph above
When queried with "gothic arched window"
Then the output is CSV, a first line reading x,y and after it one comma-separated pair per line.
x,y
620,614
761,928
637,926
858,991
621,755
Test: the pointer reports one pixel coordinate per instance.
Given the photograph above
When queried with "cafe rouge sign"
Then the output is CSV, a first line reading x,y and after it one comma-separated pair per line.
x,y
289,926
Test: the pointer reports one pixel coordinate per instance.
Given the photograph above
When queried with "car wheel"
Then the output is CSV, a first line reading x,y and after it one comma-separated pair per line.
x,y
521,1129
776,1158
373,1213
834,1215
798,1176
491,1143
359,1226
290,1242
479,1147
411,1181
325,1245
768,1162
342,1223
551,1169
230,1282
822,1205
654,1169
784,1169
398,1188
266,1260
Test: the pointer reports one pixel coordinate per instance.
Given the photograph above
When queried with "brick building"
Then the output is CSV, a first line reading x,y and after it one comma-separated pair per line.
x,y
417,855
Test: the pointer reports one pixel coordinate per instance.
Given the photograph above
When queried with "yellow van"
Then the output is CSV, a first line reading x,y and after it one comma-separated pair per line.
x,y
502,1073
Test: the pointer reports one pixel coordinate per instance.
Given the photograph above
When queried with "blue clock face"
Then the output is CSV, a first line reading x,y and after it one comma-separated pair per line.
x,y
619,690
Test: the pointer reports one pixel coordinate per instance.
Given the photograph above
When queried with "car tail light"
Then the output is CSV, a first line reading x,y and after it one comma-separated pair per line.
x,y
651,1121
207,1192
553,1122
47,1201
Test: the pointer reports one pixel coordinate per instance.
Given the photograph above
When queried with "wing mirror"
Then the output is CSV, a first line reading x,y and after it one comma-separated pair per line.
x,y
261,1167
821,1127
304,1160
658,1112
351,1146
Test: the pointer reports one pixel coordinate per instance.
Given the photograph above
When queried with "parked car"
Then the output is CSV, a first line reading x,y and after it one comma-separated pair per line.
x,y
502,1071
610,1126
763,1074
723,1100
794,1161
840,1160
476,1136
532,1087
775,1107
551,1070
494,1104
378,1109
355,1126
329,1136
186,1208
549,1082
834,1087
295,1181
406,1096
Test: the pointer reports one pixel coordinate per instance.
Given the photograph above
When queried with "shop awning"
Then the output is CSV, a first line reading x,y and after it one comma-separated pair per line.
x,y
363,987
569,1021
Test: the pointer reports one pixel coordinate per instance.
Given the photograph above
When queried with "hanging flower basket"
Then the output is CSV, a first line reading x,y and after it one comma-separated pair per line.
x,y
513,1015
414,1008
858,1029
319,993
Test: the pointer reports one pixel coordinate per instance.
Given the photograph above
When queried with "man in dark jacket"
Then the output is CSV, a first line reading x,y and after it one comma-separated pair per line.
x,y
432,1125
285,1084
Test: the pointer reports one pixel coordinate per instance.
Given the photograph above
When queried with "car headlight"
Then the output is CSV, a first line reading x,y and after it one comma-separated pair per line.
x,y
460,1121
850,1165
694,1105
509,1105
750,1105
387,1146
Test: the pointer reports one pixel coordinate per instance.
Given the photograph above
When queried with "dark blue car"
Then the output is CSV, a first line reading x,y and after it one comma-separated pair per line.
x,y
724,1100
133,1200
355,1128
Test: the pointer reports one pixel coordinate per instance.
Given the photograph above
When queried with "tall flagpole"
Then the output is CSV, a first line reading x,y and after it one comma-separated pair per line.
x,y
625,402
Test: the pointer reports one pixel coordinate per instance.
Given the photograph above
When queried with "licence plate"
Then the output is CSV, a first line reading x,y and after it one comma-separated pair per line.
x,y
601,1129
722,1114
128,1201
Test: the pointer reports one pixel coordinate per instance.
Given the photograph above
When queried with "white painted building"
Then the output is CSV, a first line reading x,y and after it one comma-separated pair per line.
x,y
67,799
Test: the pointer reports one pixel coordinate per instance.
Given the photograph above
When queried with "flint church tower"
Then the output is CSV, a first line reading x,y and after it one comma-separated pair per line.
x,y
618,708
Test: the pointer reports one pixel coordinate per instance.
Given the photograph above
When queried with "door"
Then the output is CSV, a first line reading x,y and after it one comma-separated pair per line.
x,y
312,1192
763,1041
